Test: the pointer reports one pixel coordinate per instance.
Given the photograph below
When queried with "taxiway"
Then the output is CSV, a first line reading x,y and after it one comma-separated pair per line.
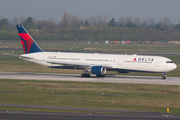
x,y
21,115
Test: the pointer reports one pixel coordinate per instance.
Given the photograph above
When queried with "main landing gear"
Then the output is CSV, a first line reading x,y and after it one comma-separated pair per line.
x,y
87,71
163,76
88,75
85,75
100,75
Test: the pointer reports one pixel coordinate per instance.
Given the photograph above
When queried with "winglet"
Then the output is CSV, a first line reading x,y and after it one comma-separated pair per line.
x,y
29,45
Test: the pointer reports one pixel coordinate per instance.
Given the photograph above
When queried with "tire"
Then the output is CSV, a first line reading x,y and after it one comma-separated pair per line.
x,y
100,75
163,77
85,75
82,75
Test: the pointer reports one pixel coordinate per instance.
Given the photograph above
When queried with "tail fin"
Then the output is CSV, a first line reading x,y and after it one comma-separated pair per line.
x,y
29,45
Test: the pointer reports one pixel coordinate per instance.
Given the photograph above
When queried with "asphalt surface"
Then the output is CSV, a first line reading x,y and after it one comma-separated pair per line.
x,y
22,115
93,78
79,109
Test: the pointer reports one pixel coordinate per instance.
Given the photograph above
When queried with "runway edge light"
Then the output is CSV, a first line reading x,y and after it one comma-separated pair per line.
x,y
167,110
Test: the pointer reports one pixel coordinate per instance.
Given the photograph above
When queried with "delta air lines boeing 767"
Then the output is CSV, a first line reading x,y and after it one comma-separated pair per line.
x,y
93,63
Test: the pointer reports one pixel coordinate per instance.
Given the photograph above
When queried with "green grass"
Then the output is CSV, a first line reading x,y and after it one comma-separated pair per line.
x,y
101,47
51,110
42,110
141,97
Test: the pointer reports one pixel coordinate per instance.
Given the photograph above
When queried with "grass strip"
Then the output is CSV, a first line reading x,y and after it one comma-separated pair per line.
x,y
49,110
121,96
99,47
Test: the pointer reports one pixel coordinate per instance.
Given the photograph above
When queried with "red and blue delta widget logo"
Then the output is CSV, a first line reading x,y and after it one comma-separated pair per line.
x,y
144,59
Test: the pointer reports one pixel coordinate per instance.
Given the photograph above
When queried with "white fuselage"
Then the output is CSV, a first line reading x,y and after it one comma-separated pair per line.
x,y
137,63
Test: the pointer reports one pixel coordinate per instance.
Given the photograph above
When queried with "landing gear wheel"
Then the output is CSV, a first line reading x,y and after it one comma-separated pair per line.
x,y
85,75
100,75
163,76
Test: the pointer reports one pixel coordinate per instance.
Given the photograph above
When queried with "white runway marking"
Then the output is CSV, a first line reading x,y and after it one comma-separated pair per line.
x,y
93,78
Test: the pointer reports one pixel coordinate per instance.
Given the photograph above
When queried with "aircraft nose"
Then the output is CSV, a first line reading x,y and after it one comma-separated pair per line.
x,y
171,67
174,66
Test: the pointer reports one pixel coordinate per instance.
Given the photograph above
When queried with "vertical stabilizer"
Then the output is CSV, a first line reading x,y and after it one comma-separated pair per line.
x,y
29,45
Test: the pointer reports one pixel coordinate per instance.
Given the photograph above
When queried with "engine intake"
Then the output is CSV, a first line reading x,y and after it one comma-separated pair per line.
x,y
98,70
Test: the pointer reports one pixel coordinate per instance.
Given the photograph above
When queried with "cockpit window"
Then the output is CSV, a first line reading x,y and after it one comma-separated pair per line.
x,y
169,62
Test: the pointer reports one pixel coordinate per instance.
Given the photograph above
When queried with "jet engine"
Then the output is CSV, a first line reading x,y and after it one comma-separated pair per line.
x,y
98,70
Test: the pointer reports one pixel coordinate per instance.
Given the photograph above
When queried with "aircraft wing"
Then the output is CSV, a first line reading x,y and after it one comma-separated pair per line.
x,y
83,65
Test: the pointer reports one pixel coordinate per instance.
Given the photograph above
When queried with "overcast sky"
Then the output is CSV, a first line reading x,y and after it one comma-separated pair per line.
x,y
45,9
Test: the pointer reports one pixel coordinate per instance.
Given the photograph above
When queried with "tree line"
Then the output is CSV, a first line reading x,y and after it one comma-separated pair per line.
x,y
96,28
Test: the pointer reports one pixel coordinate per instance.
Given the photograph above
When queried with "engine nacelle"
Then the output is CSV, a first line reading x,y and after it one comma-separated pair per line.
x,y
98,70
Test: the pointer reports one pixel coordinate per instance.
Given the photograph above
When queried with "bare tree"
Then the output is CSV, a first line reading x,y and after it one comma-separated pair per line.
x,y
22,19
151,21
46,24
74,20
15,21
101,19
1,17
166,21
105,18
69,18
64,20
51,20
122,21
144,21
130,19
137,21
35,21
92,20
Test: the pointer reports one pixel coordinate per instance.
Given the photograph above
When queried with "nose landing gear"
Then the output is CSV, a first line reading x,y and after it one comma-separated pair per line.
x,y
163,76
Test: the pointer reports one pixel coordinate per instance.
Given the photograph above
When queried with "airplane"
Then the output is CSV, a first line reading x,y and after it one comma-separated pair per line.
x,y
93,63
